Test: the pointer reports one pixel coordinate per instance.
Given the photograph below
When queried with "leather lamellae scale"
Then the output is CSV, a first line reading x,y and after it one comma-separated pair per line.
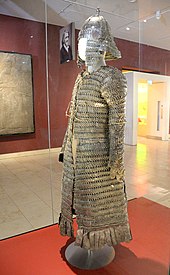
x,y
93,171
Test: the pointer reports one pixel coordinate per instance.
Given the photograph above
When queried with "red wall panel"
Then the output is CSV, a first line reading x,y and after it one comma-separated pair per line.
x,y
16,36
142,57
61,83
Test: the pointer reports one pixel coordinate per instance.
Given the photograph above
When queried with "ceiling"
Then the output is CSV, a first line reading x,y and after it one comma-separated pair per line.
x,y
121,14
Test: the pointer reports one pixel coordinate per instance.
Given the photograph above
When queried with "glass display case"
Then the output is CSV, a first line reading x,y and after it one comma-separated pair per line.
x,y
30,173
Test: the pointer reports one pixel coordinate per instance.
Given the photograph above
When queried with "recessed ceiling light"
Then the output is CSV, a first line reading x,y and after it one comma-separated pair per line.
x,y
144,20
132,1
127,28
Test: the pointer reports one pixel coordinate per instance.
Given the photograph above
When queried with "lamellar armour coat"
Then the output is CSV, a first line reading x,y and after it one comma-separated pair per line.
x,y
93,171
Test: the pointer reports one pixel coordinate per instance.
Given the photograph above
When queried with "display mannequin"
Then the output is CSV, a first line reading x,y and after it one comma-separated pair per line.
x,y
76,256
82,44
93,178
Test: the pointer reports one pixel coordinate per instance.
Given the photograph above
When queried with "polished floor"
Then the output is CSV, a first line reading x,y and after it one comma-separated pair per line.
x,y
30,183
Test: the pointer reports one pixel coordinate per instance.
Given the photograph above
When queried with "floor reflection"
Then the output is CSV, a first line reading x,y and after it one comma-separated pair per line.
x,y
29,201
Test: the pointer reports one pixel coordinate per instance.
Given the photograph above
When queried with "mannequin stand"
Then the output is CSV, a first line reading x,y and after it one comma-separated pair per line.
x,y
88,259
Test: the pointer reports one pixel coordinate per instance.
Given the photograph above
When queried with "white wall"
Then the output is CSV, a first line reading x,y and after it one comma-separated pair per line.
x,y
131,110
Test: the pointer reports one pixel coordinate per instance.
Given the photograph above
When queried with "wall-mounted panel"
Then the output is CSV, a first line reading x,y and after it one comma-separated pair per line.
x,y
16,94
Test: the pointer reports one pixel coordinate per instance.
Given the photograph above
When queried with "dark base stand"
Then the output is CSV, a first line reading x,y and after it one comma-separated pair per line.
x,y
88,259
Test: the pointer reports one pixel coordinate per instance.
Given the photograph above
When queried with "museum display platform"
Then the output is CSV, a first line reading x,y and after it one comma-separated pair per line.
x,y
42,252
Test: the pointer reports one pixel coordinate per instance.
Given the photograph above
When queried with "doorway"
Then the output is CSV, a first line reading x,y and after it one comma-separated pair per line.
x,y
151,98
147,106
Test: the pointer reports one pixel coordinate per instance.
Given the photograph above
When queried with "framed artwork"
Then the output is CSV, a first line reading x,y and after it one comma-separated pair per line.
x,y
67,43
16,94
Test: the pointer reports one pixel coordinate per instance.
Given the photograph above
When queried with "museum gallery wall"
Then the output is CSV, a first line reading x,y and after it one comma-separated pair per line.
x,y
28,37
